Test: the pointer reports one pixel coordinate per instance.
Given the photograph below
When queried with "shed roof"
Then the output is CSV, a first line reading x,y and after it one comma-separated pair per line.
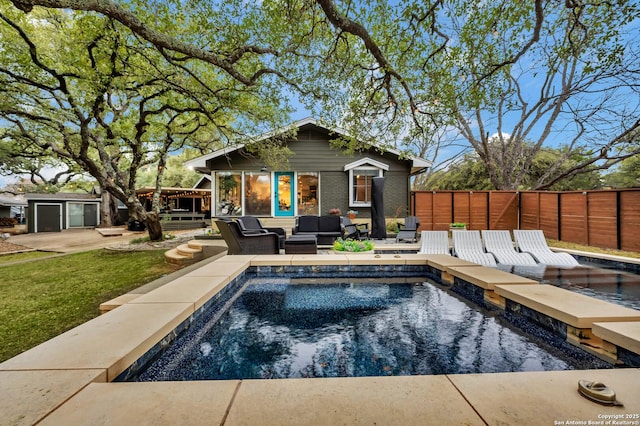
x,y
12,200
63,196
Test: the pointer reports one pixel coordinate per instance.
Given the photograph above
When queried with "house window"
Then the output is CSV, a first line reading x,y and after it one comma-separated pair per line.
x,y
360,180
228,194
308,193
257,194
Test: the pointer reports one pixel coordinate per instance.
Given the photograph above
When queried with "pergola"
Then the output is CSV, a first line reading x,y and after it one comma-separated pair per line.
x,y
178,201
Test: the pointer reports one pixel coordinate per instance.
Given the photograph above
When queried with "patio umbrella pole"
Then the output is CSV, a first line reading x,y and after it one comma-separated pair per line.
x,y
378,224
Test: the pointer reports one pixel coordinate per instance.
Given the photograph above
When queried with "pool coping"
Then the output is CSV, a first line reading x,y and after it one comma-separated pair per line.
x,y
69,377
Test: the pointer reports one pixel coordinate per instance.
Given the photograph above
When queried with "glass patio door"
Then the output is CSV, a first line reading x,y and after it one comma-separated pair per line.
x,y
284,194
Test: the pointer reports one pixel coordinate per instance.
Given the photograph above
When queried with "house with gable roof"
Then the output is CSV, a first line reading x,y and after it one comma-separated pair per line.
x,y
319,177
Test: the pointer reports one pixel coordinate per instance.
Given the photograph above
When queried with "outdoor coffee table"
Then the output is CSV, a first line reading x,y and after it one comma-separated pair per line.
x,y
301,244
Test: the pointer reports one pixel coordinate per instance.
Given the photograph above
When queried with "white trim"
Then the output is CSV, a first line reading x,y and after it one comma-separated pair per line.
x,y
203,177
352,202
366,160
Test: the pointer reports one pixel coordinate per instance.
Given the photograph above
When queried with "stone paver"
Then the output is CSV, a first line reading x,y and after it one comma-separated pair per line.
x,y
111,342
569,307
229,268
28,396
444,261
153,404
624,334
409,400
548,398
187,289
486,277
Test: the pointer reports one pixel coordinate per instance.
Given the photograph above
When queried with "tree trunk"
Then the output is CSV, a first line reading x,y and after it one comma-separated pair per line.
x,y
152,222
109,212
106,218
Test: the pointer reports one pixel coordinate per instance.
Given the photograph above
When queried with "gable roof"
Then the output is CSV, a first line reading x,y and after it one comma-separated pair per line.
x,y
200,163
363,161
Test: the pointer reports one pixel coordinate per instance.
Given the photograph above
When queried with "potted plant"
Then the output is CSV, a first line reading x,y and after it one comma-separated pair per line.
x,y
352,246
335,211
352,214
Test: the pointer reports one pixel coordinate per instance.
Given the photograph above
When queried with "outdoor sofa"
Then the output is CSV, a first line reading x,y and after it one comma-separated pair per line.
x,y
326,229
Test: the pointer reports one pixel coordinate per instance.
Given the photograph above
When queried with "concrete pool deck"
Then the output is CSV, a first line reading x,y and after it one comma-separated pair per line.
x,y
67,380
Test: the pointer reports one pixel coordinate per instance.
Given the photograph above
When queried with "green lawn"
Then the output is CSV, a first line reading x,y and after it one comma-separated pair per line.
x,y
18,257
573,246
43,298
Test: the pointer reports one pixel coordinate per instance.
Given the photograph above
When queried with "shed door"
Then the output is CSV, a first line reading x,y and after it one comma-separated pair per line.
x,y
91,215
48,217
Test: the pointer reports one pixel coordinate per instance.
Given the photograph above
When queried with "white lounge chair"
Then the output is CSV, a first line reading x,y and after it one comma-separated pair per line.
x,y
534,243
467,245
535,272
434,242
499,244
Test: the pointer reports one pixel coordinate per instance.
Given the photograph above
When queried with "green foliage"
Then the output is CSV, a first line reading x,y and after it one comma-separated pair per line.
x,y
626,175
393,226
79,91
467,174
175,173
350,245
471,174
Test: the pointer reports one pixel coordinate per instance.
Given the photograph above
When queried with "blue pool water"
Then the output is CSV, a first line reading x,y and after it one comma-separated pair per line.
x,y
285,328
619,287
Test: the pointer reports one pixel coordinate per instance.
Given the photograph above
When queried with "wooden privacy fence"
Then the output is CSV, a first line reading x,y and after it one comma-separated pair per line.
x,y
607,218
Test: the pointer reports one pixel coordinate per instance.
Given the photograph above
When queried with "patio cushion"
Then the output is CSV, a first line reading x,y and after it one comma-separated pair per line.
x,y
329,224
307,224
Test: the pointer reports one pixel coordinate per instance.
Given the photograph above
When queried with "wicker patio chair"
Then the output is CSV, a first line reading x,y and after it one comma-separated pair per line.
x,y
239,243
253,225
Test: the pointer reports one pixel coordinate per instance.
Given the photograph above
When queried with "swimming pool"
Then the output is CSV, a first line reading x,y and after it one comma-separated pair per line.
x,y
291,327
619,287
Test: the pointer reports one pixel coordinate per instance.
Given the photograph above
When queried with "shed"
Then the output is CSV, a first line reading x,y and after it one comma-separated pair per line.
x,y
55,212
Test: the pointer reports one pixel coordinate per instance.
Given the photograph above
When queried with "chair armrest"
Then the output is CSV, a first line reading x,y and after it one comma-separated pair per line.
x,y
254,231
279,231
